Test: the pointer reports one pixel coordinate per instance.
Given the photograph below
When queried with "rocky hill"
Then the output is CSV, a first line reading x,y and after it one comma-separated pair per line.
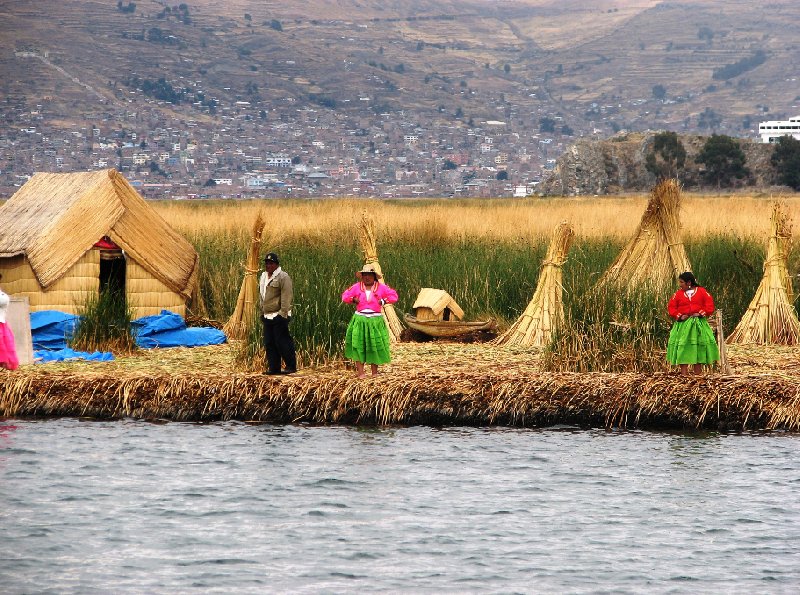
x,y
617,165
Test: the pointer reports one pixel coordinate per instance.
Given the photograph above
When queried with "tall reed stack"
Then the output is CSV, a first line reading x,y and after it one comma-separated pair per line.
x,y
368,245
656,254
771,318
544,314
246,304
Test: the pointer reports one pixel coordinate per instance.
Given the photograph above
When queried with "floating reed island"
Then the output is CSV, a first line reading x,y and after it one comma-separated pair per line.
x,y
428,383
587,350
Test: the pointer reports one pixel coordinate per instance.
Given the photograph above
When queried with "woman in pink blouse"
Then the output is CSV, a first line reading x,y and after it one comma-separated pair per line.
x,y
367,339
8,353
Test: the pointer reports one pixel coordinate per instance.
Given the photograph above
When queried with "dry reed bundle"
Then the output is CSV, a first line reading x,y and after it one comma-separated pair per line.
x,y
656,255
465,394
771,318
719,329
545,312
243,314
367,238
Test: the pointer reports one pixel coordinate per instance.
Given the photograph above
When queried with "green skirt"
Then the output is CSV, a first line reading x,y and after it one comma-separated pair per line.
x,y
692,341
367,340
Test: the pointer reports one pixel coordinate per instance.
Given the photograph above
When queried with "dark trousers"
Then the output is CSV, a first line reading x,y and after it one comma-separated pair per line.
x,y
278,344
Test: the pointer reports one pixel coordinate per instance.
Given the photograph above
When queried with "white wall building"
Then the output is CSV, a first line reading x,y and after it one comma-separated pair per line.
x,y
278,161
771,131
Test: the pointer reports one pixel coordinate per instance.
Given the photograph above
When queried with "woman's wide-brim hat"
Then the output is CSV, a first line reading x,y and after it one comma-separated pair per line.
x,y
368,268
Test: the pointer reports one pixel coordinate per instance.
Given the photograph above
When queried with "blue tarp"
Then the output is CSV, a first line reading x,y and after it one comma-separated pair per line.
x,y
51,330
169,330
43,356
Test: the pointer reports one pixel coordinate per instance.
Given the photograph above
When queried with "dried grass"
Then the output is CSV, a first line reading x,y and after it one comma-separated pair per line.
x,y
771,318
432,383
366,236
614,217
544,314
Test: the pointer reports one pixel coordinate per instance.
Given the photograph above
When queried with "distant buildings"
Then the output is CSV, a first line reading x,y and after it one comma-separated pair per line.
x,y
771,131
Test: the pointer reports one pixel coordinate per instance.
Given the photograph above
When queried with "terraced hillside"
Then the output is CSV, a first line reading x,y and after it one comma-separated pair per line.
x,y
599,66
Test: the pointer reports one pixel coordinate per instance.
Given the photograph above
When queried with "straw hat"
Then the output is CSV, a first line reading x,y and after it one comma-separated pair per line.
x,y
368,268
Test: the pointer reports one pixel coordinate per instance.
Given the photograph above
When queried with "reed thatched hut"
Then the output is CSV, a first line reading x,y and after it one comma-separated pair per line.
x,y
67,236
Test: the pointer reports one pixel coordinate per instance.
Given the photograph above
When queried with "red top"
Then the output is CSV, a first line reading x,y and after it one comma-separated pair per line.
x,y
682,304
106,243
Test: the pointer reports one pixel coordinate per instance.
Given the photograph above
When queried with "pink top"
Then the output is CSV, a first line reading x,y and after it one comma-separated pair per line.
x,y
379,292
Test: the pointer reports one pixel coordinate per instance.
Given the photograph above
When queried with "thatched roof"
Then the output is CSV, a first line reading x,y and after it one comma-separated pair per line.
x,y
55,218
437,300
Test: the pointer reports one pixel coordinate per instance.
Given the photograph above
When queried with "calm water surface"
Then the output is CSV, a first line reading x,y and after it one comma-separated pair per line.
x,y
133,507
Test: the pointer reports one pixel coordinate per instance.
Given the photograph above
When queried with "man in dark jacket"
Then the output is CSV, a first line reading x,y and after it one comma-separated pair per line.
x,y
275,288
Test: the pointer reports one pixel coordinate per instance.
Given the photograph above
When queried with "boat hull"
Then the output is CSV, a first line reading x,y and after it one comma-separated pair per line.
x,y
447,328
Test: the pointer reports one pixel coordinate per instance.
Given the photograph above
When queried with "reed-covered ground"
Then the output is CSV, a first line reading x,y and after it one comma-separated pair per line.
x,y
428,383
486,254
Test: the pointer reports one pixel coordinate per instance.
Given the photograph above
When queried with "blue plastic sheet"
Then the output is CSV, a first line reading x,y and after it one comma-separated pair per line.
x,y
51,330
169,330
44,356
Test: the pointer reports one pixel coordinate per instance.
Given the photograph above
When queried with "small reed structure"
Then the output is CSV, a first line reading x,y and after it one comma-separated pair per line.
x,y
366,236
247,302
655,256
436,304
545,312
771,318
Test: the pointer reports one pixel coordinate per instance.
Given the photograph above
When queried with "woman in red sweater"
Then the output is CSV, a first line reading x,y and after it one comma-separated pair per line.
x,y
691,340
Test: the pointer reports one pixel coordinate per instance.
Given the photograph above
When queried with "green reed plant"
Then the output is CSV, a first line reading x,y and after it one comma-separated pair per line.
x,y
104,324
609,331
222,260
487,278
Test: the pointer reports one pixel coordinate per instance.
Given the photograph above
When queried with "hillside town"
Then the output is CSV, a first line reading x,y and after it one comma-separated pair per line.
x,y
249,151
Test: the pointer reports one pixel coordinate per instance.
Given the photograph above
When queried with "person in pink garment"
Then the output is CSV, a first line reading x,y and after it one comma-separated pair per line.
x,y
367,338
8,351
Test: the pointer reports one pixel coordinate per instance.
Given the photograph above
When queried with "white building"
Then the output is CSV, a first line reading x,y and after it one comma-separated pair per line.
x,y
278,161
771,131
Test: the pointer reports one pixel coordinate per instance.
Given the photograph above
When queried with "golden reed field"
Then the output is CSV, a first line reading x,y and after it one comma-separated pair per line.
x,y
504,219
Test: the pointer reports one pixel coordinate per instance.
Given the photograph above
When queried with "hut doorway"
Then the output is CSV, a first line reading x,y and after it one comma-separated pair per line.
x,y
112,267
112,272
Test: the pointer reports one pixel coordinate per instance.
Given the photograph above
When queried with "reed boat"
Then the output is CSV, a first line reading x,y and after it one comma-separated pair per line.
x,y
447,328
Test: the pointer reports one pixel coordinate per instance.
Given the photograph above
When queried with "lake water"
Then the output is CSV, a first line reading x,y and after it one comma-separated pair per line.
x,y
135,507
